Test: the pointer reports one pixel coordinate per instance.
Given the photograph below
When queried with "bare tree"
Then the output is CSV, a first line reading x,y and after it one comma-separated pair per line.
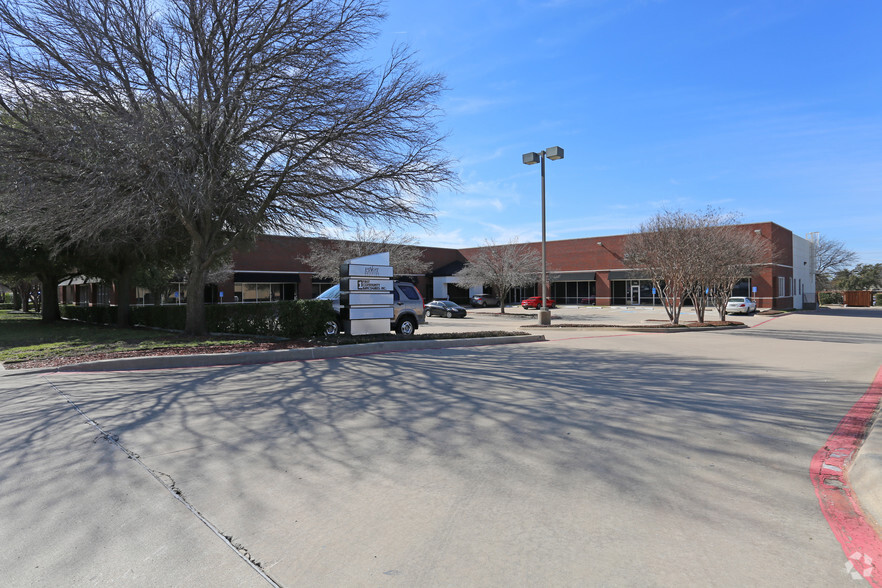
x,y
327,255
700,256
663,250
502,267
247,116
831,256
736,254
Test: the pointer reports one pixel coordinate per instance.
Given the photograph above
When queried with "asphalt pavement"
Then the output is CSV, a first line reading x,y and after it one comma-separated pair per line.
x,y
598,457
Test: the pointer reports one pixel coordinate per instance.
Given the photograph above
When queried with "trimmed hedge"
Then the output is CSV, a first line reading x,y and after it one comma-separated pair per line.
x,y
99,315
878,300
830,298
305,318
171,316
288,318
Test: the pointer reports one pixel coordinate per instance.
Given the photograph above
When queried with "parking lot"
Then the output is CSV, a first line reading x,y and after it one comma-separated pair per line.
x,y
516,318
598,457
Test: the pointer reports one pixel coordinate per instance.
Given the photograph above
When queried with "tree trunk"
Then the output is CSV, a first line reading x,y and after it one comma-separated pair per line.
x,y
699,302
195,324
24,294
49,287
123,299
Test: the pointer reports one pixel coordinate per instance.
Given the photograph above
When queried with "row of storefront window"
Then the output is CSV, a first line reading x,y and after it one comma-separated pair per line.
x,y
623,292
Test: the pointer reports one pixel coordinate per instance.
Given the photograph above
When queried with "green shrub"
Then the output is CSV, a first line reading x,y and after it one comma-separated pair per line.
x,y
304,318
244,319
170,316
289,318
830,298
101,315
878,299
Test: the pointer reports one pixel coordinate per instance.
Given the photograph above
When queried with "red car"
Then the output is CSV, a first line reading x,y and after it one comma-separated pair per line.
x,y
536,302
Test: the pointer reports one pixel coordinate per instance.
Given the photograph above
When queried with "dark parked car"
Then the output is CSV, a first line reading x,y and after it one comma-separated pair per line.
x,y
536,302
481,300
445,308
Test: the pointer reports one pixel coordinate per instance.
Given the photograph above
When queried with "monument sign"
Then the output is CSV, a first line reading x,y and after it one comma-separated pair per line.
x,y
366,294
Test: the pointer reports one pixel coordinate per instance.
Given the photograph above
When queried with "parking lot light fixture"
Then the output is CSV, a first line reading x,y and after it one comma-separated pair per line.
x,y
553,153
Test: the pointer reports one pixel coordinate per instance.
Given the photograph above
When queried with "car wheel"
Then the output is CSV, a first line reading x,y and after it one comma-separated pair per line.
x,y
331,328
449,314
405,326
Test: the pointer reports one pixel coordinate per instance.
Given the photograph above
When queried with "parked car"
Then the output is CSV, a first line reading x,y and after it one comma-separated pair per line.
x,y
445,308
481,300
588,300
740,305
536,302
409,311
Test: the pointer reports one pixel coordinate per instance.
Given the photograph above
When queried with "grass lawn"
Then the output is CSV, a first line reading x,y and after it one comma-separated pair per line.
x,y
24,337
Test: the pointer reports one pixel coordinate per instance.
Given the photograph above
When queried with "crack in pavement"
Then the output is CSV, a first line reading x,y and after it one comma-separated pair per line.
x,y
169,484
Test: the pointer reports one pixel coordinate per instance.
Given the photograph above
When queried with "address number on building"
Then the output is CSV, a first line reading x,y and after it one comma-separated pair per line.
x,y
367,285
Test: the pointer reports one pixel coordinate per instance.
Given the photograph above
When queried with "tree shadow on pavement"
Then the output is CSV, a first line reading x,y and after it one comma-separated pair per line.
x,y
661,432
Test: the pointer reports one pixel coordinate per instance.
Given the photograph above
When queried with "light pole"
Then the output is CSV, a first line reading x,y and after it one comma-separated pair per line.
x,y
529,159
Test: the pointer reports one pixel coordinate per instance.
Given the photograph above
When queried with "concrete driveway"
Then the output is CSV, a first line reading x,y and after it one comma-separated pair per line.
x,y
597,458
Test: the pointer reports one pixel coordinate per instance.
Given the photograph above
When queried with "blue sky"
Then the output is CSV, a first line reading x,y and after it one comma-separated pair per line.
x,y
772,109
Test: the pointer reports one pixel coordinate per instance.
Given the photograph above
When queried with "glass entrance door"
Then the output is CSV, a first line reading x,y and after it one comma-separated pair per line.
x,y
634,294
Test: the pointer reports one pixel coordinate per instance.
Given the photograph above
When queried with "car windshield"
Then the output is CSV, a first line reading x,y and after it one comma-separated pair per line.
x,y
332,293
736,300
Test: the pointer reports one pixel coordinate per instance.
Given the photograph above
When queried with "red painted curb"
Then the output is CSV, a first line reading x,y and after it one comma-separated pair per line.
x,y
768,320
857,535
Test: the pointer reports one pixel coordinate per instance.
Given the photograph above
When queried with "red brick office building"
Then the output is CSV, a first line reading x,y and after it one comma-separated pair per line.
x,y
588,270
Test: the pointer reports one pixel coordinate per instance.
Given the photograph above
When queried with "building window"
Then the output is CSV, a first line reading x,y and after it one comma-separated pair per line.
x,y
175,293
742,288
256,292
104,294
580,292
634,292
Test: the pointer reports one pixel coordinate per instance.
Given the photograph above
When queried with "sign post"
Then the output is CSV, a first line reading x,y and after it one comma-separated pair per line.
x,y
366,295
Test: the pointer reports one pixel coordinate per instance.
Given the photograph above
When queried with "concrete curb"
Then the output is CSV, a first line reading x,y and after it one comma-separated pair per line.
x,y
279,355
846,486
635,328
865,474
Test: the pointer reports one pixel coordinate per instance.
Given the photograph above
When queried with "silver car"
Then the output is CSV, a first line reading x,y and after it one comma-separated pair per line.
x,y
740,305
408,308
